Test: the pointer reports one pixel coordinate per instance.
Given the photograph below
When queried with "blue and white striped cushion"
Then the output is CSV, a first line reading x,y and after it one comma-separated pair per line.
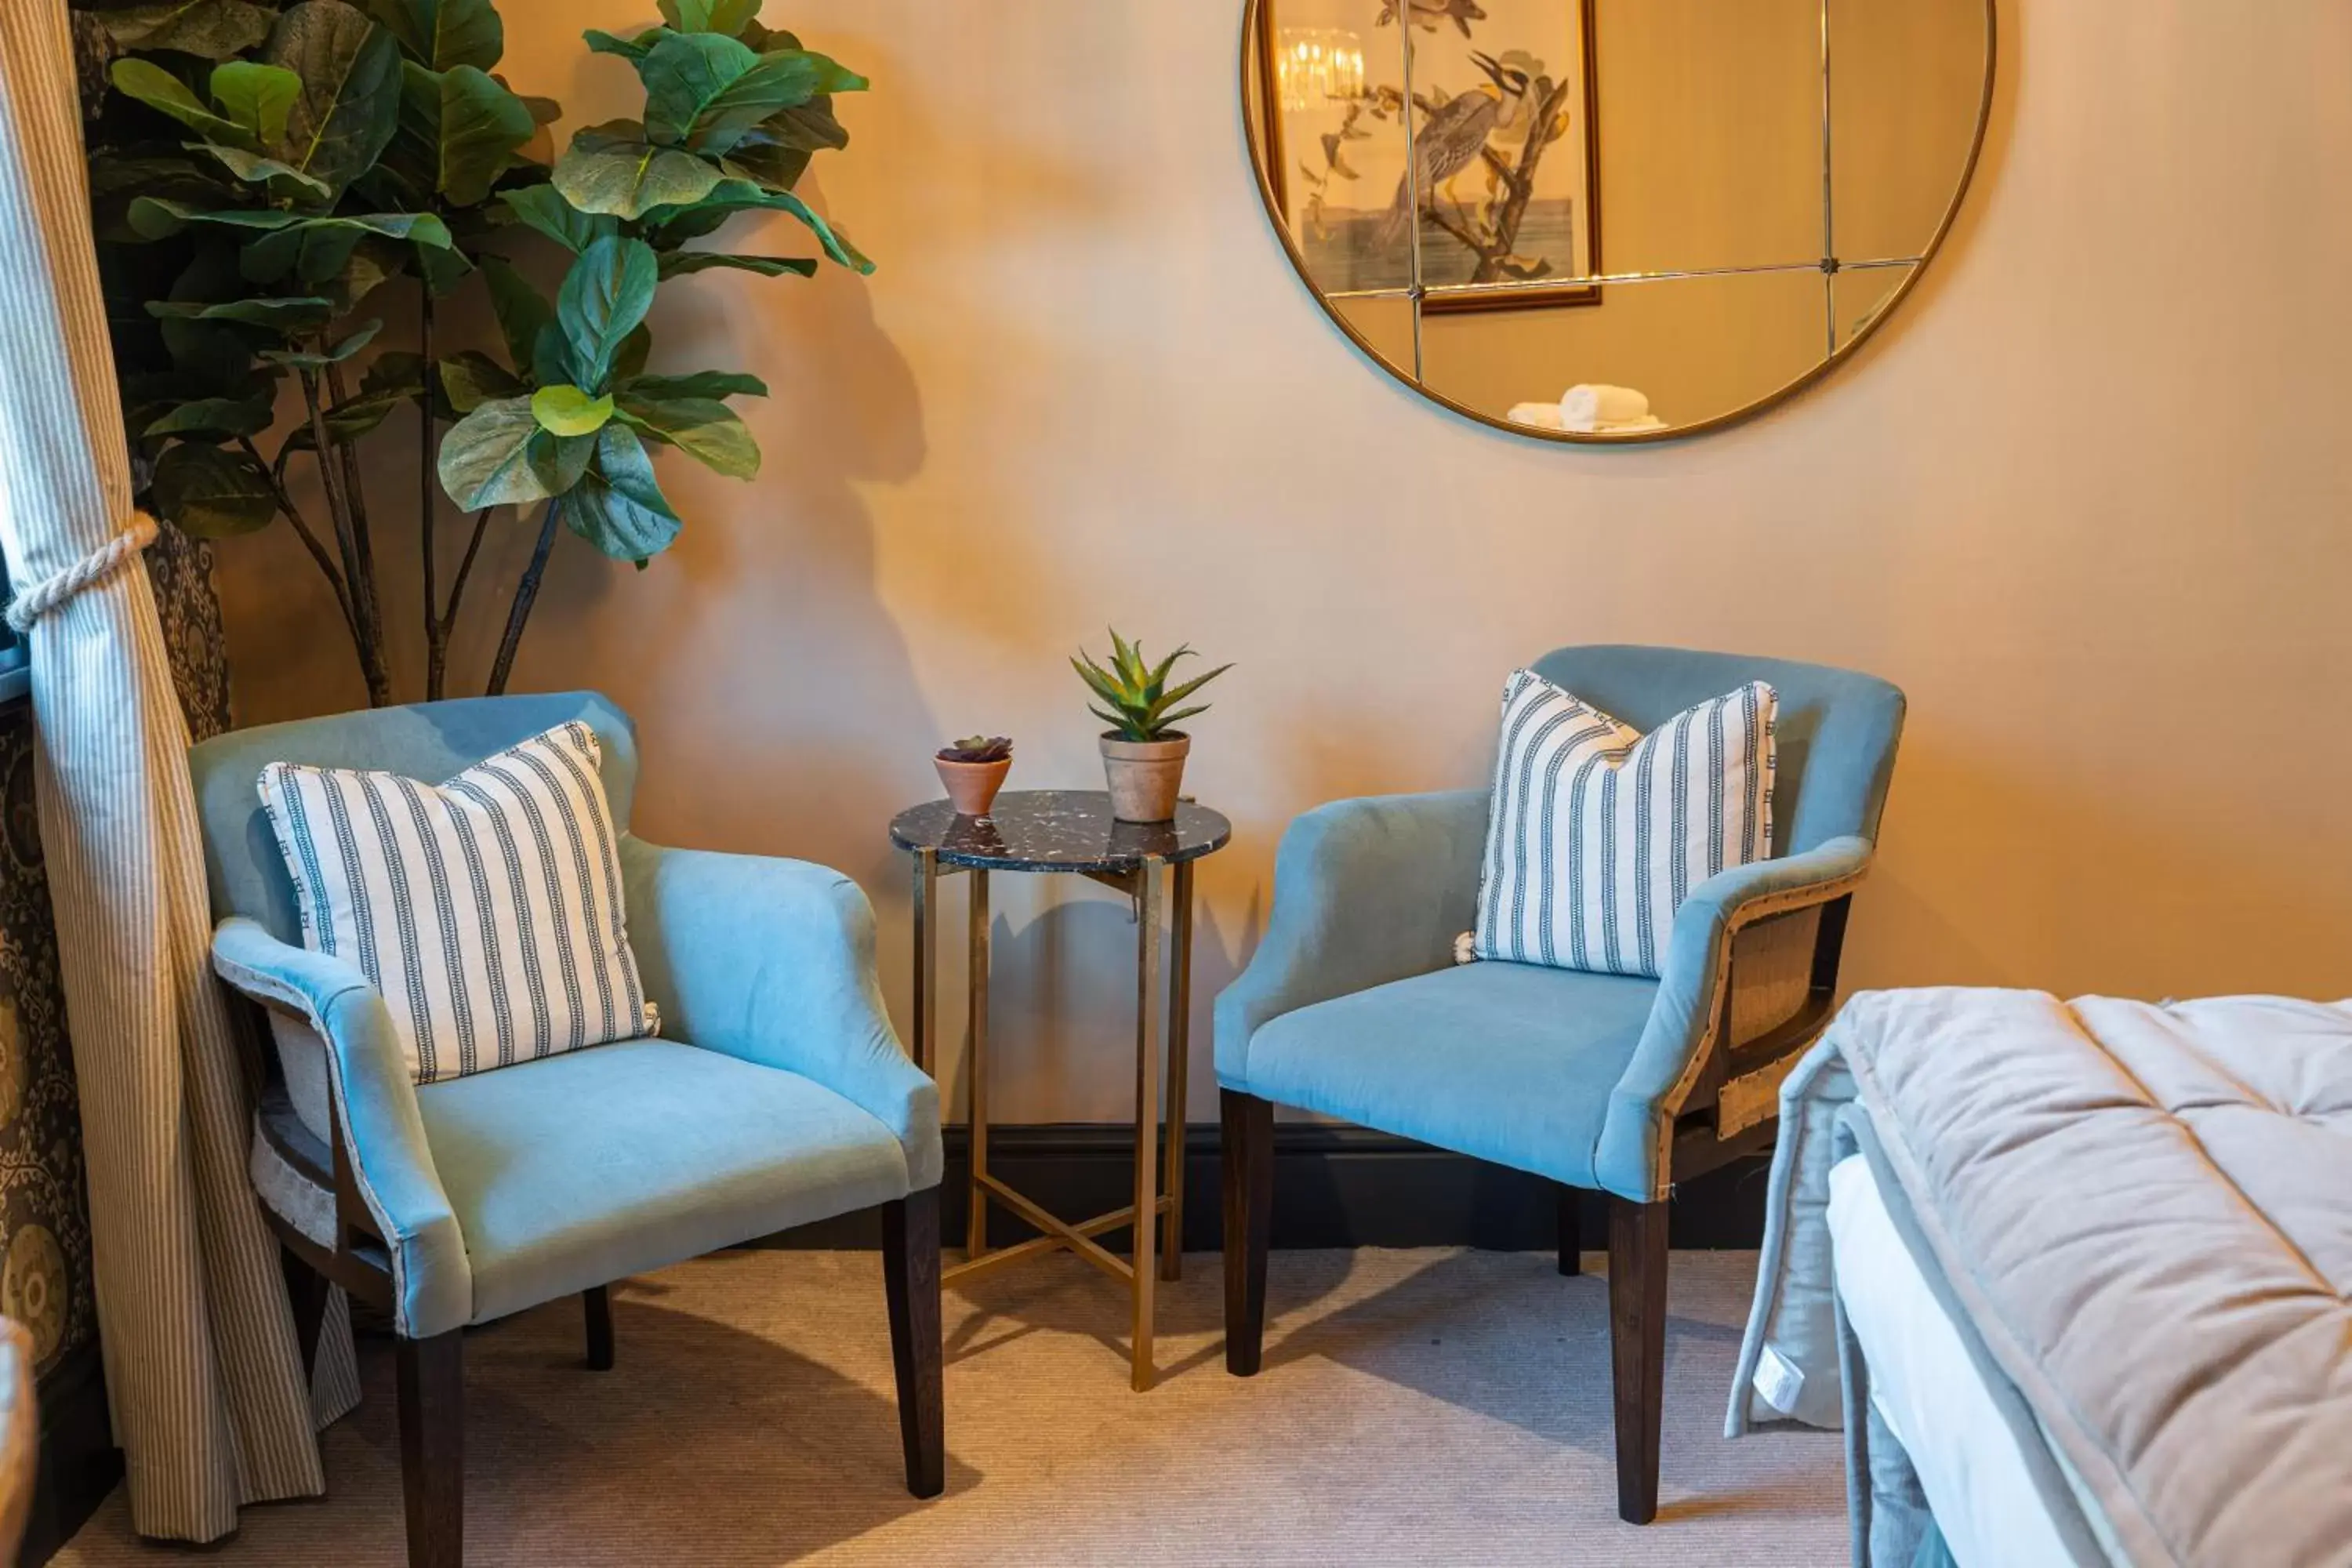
x,y
488,910
1596,833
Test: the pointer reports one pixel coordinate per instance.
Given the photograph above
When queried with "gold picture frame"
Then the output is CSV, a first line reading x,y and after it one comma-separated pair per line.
x,y
1569,106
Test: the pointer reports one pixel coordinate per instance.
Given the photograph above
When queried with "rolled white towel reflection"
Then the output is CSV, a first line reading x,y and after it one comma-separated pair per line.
x,y
1542,415
1594,406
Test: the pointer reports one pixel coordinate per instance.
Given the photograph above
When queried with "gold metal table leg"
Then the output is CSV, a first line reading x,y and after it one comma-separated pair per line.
x,y
927,959
1147,1111
1179,1022
976,1066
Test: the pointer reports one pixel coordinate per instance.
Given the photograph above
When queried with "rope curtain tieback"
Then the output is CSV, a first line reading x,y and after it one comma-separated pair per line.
x,y
95,567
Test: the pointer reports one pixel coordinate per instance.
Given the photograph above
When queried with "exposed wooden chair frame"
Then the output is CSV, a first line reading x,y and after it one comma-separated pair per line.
x,y
430,1375
1726,1106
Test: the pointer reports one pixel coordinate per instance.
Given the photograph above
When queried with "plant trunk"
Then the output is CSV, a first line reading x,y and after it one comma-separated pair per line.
x,y
437,631
526,592
364,603
366,637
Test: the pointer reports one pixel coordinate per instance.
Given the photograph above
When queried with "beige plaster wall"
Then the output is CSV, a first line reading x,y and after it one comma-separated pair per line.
x,y
2085,497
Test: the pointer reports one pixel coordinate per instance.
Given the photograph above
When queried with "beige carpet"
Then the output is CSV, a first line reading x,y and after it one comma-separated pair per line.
x,y
1416,1407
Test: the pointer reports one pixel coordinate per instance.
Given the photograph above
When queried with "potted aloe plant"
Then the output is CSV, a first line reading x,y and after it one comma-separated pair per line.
x,y
973,770
1143,754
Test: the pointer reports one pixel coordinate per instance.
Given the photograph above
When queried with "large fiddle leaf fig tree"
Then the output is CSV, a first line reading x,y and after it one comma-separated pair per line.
x,y
264,174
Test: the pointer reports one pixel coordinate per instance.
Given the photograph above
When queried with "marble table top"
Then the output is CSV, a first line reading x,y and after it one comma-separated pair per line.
x,y
1058,830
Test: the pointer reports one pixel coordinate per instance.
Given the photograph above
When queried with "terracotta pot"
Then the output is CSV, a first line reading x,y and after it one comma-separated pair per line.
x,y
1145,775
971,786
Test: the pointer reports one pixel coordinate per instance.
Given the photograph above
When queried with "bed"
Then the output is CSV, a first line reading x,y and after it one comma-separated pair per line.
x,y
2076,1278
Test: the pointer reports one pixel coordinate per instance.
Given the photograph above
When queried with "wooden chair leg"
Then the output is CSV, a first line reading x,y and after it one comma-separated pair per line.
x,y
597,1305
1637,1343
432,1448
1571,1231
307,1291
1249,1219
910,1279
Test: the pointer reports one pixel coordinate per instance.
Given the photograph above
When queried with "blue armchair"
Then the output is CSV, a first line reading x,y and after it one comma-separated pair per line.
x,y
1353,1006
780,1096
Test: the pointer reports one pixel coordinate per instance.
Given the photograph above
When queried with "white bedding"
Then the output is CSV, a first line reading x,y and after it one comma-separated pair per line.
x,y
1926,1389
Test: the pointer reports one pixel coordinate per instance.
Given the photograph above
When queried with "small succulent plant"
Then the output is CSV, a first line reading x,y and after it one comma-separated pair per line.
x,y
1135,698
978,748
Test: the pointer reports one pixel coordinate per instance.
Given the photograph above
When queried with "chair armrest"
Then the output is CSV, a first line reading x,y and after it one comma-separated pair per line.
x,y
1365,891
376,1115
772,961
1633,1158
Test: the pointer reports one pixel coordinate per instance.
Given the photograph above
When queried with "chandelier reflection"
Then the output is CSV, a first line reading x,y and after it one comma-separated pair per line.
x,y
1314,65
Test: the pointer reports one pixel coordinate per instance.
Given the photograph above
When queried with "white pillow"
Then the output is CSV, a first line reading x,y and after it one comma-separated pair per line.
x,y
488,910
1596,833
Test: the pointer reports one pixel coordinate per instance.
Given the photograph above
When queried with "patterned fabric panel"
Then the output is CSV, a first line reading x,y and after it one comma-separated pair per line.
x,y
488,910
1596,833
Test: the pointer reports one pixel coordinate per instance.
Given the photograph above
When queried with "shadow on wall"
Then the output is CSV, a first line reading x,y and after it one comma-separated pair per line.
x,y
1062,1003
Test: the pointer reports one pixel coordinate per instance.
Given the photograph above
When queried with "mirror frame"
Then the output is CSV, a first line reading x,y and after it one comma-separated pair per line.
x,y
1253,26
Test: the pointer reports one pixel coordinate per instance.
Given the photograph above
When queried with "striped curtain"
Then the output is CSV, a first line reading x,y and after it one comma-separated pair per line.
x,y
209,1401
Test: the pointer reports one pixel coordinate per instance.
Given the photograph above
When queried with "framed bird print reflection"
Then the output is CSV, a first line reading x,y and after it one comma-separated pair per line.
x,y
1446,147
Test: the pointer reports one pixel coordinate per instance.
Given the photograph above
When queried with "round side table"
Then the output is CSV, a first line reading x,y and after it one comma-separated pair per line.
x,y
1073,831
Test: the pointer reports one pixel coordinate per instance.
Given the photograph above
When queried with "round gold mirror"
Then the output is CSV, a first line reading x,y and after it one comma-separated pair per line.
x,y
1612,220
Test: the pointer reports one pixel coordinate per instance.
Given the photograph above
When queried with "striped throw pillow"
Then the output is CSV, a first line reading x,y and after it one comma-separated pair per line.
x,y
1596,833
488,910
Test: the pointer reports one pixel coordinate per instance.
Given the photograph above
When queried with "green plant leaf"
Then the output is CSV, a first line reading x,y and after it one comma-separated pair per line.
x,y
285,315
393,380
305,359
443,268
318,248
632,48
522,311
1126,729
775,152
678,263
159,89
463,126
565,410
809,127
605,295
1128,663
442,33
703,428
349,103
765,161
629,359
1099,680
255,169
684,74
157,218
1163,701
471,378
733,196
210,29
561,460
212,494
726,16
606,171
543,207
618,505
1159,672
214,416
701,383
486,459
257,96
705,90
